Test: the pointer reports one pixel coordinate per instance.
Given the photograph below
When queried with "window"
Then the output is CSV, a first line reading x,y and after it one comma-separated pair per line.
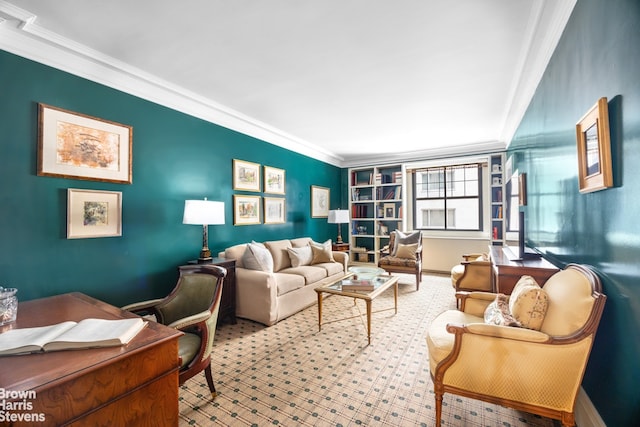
x,y
448,197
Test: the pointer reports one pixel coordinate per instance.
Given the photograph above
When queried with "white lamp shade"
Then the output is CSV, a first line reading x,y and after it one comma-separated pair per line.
x,y
203,212
339,216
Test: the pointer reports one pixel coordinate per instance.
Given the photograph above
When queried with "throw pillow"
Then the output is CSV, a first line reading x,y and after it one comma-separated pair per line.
x,y
321,252
300,256
407,251
405,239
528,303
278,249
257,257
497,313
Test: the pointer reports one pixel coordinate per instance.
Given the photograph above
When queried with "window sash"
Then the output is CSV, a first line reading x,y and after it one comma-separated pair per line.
x,y
454,189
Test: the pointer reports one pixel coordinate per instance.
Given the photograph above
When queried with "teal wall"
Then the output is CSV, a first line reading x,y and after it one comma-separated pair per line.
x,y
598,55
175,157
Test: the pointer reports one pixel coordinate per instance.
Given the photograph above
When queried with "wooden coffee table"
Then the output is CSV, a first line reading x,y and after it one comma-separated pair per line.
x,y
381,284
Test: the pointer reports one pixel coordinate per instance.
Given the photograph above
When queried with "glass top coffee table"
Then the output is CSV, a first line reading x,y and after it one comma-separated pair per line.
x,y
362,286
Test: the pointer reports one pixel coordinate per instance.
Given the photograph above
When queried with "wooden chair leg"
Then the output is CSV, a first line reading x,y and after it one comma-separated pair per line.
x,y
212,387
438,408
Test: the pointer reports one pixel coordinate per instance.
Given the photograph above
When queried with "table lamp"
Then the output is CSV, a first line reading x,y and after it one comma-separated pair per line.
x,y
203,212
339,216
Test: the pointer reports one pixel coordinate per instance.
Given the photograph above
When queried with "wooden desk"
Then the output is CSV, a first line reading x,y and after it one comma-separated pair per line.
x,y
506,273
131,385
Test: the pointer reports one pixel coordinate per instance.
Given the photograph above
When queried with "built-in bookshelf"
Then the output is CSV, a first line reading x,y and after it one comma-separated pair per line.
x,y
496,171
376,203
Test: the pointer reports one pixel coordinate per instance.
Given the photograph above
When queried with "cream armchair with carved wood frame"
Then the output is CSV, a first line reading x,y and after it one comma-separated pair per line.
x,y
473,273
528,370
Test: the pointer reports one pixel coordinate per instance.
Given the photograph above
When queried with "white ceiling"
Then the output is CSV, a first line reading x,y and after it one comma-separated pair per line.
x,y
345,81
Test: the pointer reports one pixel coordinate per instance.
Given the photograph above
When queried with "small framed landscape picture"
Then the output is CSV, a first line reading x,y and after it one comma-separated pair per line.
x,y
274,210
595,170
93,213
246,210
246,175
319,202
77,146
273,180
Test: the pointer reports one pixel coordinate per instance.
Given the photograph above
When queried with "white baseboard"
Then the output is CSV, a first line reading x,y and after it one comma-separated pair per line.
x,y
586,414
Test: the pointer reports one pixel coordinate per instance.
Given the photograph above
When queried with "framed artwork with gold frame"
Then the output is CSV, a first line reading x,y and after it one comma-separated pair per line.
x,y
594,149
246,209
78,146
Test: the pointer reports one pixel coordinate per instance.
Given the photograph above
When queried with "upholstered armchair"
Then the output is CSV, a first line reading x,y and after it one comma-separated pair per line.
x,y
404,254
536,366
191,307
473,273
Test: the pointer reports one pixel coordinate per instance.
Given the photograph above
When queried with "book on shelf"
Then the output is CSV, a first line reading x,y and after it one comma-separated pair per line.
x,y
87,333
357,285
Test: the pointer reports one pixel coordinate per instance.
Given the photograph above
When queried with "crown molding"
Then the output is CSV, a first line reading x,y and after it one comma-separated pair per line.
x,y
21,35
430,154
548,21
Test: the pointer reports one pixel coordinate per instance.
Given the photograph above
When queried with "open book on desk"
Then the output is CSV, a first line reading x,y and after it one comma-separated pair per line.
x,y
88,333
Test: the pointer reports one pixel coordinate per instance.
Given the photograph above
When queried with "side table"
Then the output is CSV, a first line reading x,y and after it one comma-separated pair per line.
x,y
340,247
228,300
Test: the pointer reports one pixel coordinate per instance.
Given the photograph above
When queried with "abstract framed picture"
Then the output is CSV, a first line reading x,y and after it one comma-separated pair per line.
x,y
594,149
78,146
273,180
93,213
246,175
246,210
319,202
274,210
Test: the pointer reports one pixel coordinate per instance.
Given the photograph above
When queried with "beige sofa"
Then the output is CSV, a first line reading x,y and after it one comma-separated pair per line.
x,y
276,279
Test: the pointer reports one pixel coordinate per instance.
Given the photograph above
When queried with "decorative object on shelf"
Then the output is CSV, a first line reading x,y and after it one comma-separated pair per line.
x,y
93,213
246,210
274,210
246,175
78,146
594,149
203,212
319,202
273,180
338,216
389,210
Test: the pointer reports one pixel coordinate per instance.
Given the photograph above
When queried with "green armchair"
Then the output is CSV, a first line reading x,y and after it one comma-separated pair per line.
x,y
192,307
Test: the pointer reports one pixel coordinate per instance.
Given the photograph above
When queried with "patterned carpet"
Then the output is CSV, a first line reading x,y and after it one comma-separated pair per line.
x,y
291,374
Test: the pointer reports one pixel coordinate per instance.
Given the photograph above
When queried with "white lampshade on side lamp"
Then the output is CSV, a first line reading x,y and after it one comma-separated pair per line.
x,y
203,212
339,216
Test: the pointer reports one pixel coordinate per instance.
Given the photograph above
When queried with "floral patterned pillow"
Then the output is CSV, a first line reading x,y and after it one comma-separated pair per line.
x,y
497,313
528,303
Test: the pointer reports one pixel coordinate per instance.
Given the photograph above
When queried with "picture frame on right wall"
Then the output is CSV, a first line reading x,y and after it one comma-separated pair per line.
x,y
595,170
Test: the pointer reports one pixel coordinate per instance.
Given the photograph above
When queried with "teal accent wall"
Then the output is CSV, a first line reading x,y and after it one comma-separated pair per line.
x,y
175,157
598,55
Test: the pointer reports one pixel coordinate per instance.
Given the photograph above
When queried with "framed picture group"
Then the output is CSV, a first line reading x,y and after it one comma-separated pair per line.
x,y
252,209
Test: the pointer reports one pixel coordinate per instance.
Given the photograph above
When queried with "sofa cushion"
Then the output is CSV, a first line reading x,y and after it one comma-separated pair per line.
x,y
236,252
300,256
528,303
497,313
321,252
310,273
257,257
331,267
288,282
301,242
278,249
